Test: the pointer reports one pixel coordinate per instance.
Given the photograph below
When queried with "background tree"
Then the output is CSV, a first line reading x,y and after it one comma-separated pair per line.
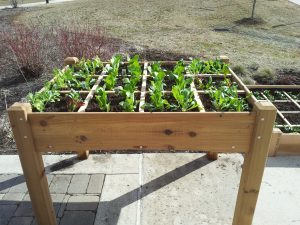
x,y
253,9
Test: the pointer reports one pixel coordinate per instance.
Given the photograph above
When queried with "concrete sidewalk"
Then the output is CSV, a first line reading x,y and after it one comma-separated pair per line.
x,y
33,4
147,189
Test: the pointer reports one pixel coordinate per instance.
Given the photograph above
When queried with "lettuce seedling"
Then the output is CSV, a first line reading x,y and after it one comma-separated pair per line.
x,y
135,70
101,97
127,91
225,98
39,100
89,66
195,67
112,72
73,100
184,97
156,91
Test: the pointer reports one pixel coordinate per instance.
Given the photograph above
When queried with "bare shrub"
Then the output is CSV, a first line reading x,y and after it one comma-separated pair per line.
x,y
265,76
14,3
239,70
84,42
26,46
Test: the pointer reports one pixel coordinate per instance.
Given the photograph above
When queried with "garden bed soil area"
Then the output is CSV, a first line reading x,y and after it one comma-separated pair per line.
x,y
287,102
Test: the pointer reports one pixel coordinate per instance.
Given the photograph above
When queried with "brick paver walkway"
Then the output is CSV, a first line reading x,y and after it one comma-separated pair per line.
x,y
75,197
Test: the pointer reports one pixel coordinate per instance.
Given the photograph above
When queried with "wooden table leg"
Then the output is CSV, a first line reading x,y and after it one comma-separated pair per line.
x,y
32,164
254,164
83,155
212,155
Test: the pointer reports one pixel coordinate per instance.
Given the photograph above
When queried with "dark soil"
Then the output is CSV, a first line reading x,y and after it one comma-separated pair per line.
x,y
286,106
208,106
250,21
114,103
293,118
279,121
278,94
288,77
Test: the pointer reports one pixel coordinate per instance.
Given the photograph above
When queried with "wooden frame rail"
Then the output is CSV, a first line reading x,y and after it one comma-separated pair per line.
x,y
248,132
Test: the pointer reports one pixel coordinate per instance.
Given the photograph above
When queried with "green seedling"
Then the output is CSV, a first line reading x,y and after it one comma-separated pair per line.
x,y
112,72
184,97
74,101
39,100
101,98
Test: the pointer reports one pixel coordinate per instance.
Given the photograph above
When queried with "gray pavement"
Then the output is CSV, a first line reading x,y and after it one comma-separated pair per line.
x,y
147,189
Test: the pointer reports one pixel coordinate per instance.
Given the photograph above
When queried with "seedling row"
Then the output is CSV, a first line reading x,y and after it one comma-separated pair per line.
x,y
287,102
134,86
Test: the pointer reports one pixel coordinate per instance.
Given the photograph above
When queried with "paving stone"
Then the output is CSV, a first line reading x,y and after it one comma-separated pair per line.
x,y
57,200
49,178
79,184
78,218
7,181
12,198
188,189
60,184
20,185
63,206
83,202
118,204
24,209
34,222
21,221
95,184
6,212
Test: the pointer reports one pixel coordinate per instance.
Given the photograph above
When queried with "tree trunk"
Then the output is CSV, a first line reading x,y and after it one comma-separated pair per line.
x,y
253,9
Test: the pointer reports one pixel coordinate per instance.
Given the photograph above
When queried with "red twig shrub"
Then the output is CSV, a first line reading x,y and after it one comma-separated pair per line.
x,y
26,46
84,42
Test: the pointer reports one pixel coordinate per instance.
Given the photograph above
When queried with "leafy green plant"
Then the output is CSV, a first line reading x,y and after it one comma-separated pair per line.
x,y
207,67
101,97
127,92
154,68
129,103
258,95
135,70
65,79
184,97
39,100
226,98
73,100
288,129
158,103
195,67
36,100
112,72
89,66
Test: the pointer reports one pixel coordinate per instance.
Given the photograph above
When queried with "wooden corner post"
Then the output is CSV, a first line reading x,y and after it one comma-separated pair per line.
x,y
32,164
214,155
254,163
69,61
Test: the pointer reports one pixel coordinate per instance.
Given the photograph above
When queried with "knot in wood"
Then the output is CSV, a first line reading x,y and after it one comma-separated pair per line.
x,y
168,132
